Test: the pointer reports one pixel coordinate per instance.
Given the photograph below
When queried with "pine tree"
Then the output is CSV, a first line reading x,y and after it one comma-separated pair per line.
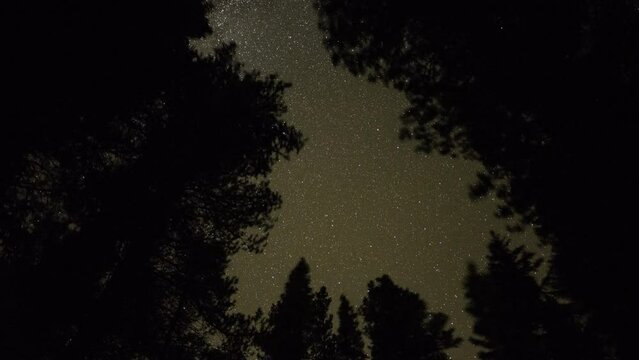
x,y
517,317
506,302
299,326
323,346
400,326
350,345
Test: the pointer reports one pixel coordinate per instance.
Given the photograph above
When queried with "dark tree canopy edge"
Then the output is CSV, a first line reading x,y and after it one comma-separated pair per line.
x,y
544,94
132,170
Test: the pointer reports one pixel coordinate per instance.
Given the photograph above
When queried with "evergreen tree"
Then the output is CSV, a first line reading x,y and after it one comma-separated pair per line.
x,y
350,345
516,317
323,340
132,171
400,326
544,94
299,326
507,304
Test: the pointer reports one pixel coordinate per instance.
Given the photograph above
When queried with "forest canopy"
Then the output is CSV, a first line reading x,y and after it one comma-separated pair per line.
x,y
133,170
544,94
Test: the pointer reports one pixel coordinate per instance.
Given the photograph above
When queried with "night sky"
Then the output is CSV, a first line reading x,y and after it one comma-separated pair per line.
x,y
358,202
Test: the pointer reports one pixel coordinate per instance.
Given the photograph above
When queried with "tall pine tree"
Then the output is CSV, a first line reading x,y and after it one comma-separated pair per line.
x,y
350,345
299,326
517,317
400,326
507,304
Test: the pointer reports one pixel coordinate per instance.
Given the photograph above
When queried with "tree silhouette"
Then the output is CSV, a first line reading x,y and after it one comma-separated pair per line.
x,y
299,326
350,345
132,171
400,326
544,94
506,302
323,345
516,317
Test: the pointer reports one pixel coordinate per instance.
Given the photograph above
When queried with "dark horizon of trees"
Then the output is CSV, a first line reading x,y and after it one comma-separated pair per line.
x,y
133,169
396,321
544,94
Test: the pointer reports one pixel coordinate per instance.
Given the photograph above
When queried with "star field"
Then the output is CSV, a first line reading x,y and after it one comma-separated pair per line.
x,y
358,202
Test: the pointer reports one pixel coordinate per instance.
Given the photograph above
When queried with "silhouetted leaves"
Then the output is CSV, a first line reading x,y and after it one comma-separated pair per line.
x,y
507,304
544,94
132,171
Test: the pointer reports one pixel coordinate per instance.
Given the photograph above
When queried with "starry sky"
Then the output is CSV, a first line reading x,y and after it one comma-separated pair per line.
x,y
358,202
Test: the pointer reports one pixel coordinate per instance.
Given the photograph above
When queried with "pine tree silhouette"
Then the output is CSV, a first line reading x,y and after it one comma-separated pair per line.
x,y
132,171
400,326
518,318
350,345
507,304
323,340
299,326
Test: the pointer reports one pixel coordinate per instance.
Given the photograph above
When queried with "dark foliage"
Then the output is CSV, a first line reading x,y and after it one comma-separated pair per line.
x,y
400,326
299,326
132,170
544,94
514,316
506,302
350,345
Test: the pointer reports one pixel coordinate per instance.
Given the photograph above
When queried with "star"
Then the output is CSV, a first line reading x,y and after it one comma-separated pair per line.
x,y
358,202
